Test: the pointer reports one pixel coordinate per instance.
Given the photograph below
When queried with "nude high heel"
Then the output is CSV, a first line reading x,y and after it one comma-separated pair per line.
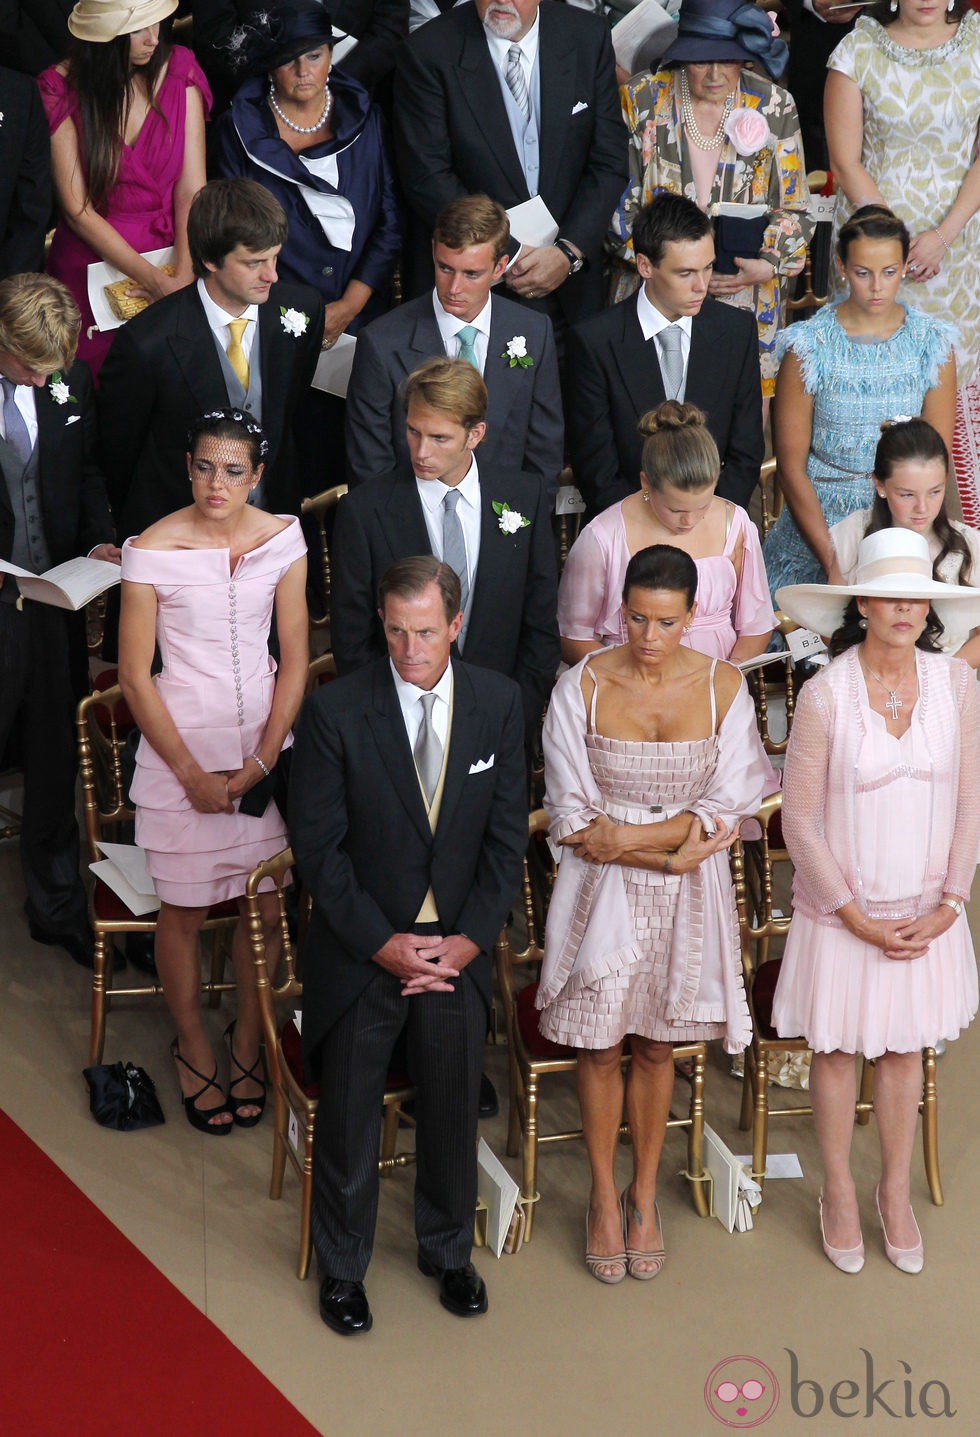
x,y
906,1259
846,1259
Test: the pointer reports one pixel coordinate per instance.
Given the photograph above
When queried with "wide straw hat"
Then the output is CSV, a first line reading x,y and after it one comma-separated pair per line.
x,y
105,20
892,564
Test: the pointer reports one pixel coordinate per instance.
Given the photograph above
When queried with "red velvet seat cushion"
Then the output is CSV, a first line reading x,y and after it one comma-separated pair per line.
x,y
527,1021
776,830
110,908
292,1051
763,993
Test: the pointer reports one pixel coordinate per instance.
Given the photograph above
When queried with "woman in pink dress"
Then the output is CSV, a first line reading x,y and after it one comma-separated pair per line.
x,y
651,757
881,816
676,504
126,112
201,586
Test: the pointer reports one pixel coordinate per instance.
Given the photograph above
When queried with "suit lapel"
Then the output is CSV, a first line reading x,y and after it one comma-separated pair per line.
x,y
277,370
703,364
193,347
401,518
556,67
493,567
481,90
501,381
462,744
391,737
638,364
425,341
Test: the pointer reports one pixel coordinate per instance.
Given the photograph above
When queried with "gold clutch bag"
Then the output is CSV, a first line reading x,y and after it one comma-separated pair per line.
x,y
124,306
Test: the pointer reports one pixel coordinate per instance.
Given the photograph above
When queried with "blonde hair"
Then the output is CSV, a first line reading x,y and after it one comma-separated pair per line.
x,y
452,386
39,321
678,448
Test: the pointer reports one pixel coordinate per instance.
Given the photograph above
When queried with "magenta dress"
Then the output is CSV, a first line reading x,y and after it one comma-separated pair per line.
x,y
140,205
892,823
217,684
591,588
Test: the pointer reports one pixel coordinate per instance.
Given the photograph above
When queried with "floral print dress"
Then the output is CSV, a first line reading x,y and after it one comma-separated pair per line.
x,y
774,176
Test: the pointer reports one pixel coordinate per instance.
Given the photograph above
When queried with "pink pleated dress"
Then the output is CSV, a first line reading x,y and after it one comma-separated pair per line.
x,y
217,684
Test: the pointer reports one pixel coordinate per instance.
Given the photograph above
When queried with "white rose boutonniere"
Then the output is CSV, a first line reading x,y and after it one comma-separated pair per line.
x,y
294,321
60,392
516,352
510,520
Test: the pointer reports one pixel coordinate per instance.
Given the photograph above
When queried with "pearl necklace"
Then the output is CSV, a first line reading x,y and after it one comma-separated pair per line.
x,y
303,129
703,142
893,703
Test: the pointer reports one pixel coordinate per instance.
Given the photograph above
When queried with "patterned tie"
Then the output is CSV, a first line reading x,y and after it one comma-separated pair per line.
x,y
467,350
428,750
671,360
453,546
516,83
235,352
14,423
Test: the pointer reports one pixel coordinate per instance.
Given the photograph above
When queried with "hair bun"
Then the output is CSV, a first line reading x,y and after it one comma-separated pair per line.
x,y
671,415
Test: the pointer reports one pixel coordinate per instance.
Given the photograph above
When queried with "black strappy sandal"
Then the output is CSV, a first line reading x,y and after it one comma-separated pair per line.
x,y
200,1118
236,1104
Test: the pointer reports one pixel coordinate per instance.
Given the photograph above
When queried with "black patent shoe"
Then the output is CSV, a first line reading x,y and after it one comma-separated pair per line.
x,y
462,1290
344,1306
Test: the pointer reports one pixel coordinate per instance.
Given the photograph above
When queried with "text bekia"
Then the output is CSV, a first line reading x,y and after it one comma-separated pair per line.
x,y
901,1396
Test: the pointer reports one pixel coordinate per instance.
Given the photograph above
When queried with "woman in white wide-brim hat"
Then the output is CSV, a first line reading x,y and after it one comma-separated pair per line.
x,y
126,112
881,816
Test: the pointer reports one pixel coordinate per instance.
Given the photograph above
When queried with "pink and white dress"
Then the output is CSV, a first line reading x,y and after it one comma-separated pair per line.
x,y
892,823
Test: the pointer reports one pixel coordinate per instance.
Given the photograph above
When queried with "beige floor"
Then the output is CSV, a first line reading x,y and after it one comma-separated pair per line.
x,y
557,1354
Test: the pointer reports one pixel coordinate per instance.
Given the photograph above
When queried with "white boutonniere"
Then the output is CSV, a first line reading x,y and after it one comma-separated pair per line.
x,y
510,519
60,392
294,321
516,352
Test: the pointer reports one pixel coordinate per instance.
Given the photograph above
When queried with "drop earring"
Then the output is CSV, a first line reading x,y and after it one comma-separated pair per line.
x,y
949,6
893,7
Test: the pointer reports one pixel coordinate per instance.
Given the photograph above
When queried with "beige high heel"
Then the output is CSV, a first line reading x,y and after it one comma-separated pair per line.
x,y
634,1255
594,1261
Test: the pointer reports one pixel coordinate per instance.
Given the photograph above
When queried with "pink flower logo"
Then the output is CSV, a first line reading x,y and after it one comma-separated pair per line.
x,y
741,1392
748,131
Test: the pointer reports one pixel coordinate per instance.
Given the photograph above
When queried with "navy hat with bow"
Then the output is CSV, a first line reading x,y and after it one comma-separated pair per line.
x,y
726,30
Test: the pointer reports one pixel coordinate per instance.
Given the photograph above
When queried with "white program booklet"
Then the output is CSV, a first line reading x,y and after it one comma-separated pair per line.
x,y
123,869
498,1190
532,223
71,585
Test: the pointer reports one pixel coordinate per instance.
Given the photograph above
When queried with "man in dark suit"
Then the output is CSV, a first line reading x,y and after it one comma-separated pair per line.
x,y
408,819
464,318
34,33
505,99
25,175
669,341
818,27
492,525
52,508
236,337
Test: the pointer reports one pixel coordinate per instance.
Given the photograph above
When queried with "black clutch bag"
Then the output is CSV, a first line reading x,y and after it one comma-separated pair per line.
x,y
123,1097
737,237
271,785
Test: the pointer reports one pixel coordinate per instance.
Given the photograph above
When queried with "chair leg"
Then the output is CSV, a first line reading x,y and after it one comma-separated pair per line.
x,y
866,1092
101,964
514,1117
695,1137
218,955
389,1138
760,1120
306,1202
280,1142
530,1153
930,1125
745,1111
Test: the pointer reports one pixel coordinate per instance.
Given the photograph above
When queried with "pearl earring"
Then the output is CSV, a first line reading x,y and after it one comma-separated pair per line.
x,y
862,623
893,7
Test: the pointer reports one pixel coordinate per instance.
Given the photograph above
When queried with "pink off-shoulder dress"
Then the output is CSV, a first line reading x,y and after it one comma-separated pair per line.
x,y
140,205
217,684
591,588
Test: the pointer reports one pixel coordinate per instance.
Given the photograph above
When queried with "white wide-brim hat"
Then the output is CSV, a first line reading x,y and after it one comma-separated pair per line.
x,y
892,564
104,20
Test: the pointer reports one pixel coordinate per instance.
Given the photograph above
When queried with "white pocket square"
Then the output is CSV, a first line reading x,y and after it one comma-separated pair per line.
x,y
580,105
482,764
72,419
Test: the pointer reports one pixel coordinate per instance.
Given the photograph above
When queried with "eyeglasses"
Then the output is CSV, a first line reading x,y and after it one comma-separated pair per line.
x,y
751,1391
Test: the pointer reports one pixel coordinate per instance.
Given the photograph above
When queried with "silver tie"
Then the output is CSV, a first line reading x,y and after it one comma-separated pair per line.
x,y
516,83
453,547
14,424
428,750
671,360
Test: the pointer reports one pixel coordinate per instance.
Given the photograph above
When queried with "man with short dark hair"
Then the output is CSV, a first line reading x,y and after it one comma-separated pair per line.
x,y
408,820
668,341
236,337
463,317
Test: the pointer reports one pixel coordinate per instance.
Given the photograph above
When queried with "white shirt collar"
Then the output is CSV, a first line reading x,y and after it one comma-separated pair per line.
x,y
433,491
528,46
218,318
652,321
451,324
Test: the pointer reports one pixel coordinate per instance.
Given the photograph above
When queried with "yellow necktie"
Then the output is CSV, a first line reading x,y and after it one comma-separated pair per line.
x,y
235,352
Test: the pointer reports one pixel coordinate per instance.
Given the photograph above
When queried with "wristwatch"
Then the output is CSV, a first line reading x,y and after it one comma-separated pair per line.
x,y
953,903
575,260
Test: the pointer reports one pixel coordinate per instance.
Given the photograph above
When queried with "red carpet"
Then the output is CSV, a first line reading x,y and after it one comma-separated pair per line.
x,y
95,1340
966,450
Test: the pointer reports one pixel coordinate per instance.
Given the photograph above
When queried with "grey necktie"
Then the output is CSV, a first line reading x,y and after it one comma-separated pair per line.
x,y
14,424
516,83
671,360
453,547
466,336
428,750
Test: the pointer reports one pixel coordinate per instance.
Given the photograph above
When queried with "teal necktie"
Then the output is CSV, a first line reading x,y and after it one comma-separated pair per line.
x,y
466,336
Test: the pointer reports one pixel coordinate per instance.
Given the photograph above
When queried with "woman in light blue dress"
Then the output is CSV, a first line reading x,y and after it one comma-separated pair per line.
x,y
853,365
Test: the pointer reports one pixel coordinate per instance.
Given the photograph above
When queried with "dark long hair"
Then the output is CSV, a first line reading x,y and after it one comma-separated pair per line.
x,y
915,440
851,632
100,74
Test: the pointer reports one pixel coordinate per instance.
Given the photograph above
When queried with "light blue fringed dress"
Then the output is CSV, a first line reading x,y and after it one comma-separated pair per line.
x,y
856,385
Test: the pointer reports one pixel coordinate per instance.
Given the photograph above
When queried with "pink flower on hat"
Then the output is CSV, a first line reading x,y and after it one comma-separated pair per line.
x,y
748,131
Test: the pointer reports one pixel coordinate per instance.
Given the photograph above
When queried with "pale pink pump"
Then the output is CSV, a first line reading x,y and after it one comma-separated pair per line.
x,y
906,1259
847,1259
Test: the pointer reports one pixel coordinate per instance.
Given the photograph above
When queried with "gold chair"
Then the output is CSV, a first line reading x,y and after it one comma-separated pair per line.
x,y
295,1100
322,671
103,723
569,525
774,680
770,508
319,506
534,1058
761,924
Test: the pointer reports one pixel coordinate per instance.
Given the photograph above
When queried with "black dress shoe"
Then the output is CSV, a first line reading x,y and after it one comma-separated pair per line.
x,y
489,1104
344,1306
462,1290
80,944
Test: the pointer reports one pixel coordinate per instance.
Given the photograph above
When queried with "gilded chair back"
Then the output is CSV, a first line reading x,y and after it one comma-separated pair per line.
x,y
319,507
